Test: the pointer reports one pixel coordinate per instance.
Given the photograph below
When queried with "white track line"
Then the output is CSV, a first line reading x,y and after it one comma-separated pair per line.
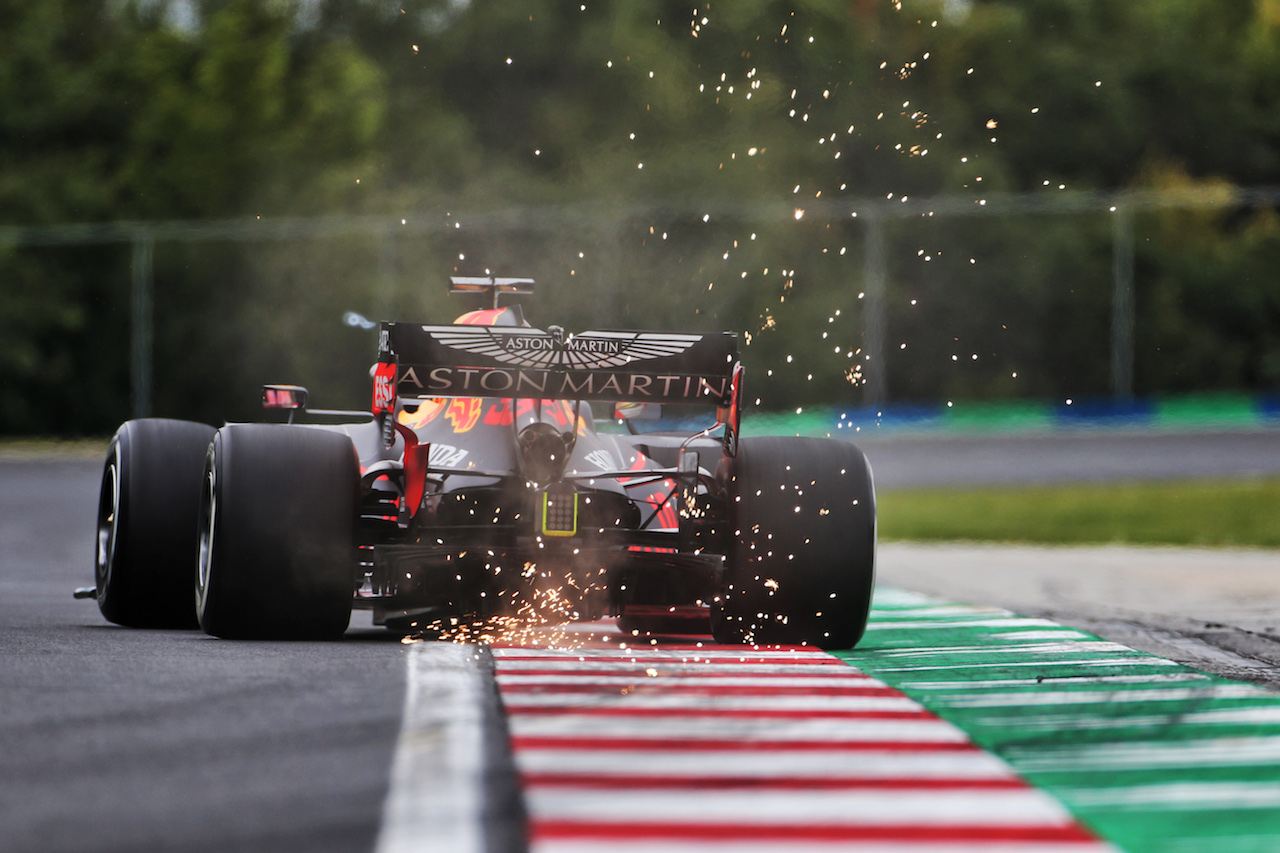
x,y
437,780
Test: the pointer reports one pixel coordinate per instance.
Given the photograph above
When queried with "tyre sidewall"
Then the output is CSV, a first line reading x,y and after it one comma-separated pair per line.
x,y
802,549
146,577
280,507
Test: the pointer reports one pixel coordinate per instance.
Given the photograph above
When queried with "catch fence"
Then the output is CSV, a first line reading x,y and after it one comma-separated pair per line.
x,y
880,231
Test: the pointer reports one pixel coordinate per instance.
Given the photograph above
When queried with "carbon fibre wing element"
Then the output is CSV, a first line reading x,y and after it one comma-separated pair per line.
x,y
512,362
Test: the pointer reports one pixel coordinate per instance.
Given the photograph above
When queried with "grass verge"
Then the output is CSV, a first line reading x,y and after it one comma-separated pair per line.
x,y
44,448
1231,513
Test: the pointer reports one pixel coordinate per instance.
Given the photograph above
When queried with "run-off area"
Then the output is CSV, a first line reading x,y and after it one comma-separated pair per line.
x,y
950,728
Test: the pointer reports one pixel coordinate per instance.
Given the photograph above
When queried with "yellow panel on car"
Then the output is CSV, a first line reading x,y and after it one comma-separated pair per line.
x,y
560,511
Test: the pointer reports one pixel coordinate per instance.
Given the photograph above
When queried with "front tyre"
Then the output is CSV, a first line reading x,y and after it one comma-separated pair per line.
x,y
147,513
800,566
276,549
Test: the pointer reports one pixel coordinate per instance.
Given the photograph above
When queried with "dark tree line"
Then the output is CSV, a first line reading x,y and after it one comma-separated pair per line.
x,y
652,164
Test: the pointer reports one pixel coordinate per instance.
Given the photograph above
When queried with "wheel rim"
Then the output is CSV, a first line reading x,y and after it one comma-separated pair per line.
x,y
108,525
208,524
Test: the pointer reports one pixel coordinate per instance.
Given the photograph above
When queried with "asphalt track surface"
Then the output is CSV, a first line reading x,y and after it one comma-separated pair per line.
x,y
116,739
1068,455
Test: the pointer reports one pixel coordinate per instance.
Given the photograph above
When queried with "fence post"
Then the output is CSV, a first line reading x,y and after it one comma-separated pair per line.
x,y
142,323
1122,302
874,276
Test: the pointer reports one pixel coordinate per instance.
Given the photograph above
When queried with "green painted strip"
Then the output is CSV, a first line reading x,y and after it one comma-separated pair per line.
x,y
819,422
1196,411
999,416
1151,755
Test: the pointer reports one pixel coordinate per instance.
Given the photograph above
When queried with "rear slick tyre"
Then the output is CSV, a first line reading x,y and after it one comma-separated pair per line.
x,y
800,567
148,508
277,533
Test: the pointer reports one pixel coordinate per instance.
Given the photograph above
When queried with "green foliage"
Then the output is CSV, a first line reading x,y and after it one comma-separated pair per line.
x,y
40,303
241,115
653,164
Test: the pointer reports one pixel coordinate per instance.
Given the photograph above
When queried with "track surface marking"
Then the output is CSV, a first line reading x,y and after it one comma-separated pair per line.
x,y
951,728
1152,755
702,748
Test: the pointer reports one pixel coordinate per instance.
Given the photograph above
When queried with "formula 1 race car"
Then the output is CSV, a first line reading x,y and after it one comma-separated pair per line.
x,y
480,490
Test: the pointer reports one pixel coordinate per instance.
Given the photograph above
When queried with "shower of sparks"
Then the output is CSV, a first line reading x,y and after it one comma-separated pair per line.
x,y
542,616
820,111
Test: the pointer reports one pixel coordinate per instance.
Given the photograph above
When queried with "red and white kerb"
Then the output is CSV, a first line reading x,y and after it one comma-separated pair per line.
x,y
688,748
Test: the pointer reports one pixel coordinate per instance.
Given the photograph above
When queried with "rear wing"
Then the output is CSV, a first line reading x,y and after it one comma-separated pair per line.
x,y
492,287
417,360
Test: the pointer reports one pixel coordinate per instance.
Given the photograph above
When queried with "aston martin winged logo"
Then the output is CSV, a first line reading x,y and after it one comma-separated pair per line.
x,y
534,348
